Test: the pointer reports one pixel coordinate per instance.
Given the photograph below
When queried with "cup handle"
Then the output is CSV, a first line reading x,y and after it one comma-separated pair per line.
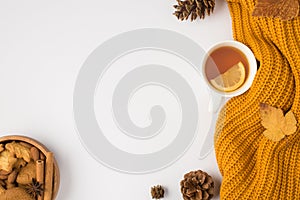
x,y
215,103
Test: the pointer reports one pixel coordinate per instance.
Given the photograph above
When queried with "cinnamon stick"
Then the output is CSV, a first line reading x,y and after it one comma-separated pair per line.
x,y
49,176
42,156
39,164
35,153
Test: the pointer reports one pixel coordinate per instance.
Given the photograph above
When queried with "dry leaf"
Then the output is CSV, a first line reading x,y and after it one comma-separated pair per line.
x,y
7,160
26,174
283,9
2,190
277,125
19,150
290,125
20,163
1,148
18,193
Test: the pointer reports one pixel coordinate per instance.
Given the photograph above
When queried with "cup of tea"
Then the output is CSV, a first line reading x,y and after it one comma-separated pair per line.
x,y
229,68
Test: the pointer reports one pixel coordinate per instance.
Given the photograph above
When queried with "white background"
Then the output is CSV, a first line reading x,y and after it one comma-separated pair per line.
x,y
42,47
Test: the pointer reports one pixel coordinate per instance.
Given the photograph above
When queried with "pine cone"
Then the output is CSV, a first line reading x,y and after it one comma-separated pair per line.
x,y
197,185
193,8
157,192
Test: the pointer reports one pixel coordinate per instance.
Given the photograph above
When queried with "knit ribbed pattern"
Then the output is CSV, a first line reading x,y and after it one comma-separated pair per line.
x,y
252,166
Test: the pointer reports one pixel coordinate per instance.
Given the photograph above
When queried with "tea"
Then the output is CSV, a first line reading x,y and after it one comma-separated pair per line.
x,y
222,59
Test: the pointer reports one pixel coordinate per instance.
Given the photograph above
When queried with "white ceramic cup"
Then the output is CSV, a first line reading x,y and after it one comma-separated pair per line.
x,y
251,61
218,97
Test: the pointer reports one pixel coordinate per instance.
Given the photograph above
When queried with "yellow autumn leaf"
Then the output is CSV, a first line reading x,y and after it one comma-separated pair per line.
x,y
290,124
275,135
277,125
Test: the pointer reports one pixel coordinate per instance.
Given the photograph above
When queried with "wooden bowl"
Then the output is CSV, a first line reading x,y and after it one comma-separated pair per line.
x,y
43,150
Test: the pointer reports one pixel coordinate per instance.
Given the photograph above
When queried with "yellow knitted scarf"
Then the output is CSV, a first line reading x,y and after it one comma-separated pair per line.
x,y
252,166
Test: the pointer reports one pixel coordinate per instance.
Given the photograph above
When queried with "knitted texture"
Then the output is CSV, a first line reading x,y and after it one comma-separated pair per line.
x,y
252,166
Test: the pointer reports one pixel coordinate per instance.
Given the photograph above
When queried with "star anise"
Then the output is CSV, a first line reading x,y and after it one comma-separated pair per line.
x,y
34,189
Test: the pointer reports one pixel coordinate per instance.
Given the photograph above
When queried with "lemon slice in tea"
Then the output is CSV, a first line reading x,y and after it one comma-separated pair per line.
x,y
230,80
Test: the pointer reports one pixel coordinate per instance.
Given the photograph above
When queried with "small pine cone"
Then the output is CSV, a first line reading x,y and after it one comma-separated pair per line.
x,y
197,185
193,8
157,192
